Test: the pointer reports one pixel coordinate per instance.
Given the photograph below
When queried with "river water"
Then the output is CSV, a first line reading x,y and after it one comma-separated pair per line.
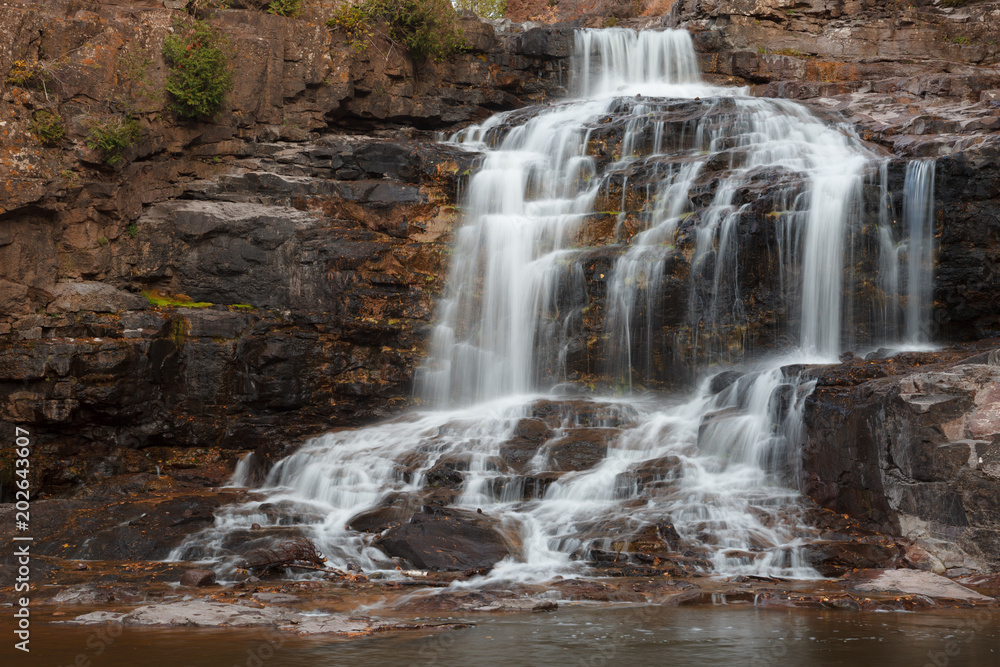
x,y
585,635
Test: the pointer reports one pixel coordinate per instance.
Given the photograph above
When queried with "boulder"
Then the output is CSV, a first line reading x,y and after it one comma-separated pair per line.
x,y
913,582
198,578
907,446
580,448
93,296
832,559
448,539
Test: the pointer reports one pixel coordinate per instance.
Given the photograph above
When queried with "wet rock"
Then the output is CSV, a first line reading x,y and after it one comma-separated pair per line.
x,y
396,509
833,559
477,601
579,413
912,582
580,448
300,553
988,584
198,578
196,613
448,539
517,605
532,430
722,380
143,526
90,594
655,473
276,598
517,453
446,474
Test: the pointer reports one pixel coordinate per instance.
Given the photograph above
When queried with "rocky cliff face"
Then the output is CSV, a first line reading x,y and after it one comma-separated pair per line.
x,y
312,252
310,223
910,446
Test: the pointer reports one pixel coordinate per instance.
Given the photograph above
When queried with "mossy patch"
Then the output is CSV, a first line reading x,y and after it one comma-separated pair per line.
x,y
161,300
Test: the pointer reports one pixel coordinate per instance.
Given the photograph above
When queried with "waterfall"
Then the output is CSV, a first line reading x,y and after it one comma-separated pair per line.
x,y
918,218
623,241
628,62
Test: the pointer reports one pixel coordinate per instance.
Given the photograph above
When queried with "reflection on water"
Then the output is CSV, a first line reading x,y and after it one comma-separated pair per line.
x,y
574,635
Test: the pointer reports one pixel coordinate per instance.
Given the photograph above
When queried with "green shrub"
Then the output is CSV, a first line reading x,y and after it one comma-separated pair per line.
x,y
48,127
285,7
200,70
22,73
428,29
491,9
113,137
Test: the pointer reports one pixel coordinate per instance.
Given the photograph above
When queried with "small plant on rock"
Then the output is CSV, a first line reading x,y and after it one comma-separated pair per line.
x,y
22,73
200,70
428,29
112,137
48,127
491,9
285,7
37,74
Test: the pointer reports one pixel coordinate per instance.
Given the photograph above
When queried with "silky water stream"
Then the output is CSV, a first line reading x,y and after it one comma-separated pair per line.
x,y
741,238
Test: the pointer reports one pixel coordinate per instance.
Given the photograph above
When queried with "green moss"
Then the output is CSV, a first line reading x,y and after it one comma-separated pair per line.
x,y
179,331
160,300
242,306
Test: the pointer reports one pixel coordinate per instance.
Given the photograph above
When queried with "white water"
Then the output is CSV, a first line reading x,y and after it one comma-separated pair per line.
x,y
717,466
918,217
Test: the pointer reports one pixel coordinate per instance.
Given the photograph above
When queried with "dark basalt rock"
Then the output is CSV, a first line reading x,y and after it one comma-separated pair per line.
x,y
832,559
906,445
722,380
447,539
393,511
445,474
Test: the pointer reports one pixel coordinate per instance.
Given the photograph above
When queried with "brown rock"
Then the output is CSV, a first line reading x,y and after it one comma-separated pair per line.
x,y
198,578
580,448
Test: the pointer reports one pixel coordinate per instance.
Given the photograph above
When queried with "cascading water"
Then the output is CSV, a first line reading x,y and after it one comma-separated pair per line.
x,y
918,217
546,274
